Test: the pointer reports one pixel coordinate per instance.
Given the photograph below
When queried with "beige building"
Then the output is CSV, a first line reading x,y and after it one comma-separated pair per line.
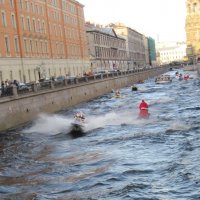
x,y
192,27
107,50
39,39
170,51
134,44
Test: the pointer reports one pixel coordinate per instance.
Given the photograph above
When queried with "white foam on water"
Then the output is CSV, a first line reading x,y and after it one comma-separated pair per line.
x,y
179,126
50,124
53,123
163,99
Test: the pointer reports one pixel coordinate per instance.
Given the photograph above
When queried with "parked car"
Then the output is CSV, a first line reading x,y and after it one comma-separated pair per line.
x,y
60,78
102,72
24,87
45,82
114,71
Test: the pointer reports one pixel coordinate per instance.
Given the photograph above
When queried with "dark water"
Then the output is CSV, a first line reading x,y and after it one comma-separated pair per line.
x,y
121,157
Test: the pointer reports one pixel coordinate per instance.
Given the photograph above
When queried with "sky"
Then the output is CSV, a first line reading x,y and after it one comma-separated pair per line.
x,y
163,20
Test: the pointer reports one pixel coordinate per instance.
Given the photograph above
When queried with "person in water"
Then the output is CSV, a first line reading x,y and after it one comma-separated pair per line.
x,y
144,113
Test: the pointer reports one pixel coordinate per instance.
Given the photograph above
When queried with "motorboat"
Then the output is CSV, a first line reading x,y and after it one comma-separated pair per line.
x,y
134,88
140,82
186,77
117,94
78,126
163,79
144,114
77,130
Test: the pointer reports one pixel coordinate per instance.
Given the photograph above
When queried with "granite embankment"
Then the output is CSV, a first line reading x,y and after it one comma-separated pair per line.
x,y
21,108
198,68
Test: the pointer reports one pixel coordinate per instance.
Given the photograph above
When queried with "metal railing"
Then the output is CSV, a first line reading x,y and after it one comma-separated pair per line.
x,y
49,85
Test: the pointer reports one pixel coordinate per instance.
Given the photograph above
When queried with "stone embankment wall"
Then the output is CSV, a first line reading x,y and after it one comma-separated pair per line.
x,y
198,68
16,110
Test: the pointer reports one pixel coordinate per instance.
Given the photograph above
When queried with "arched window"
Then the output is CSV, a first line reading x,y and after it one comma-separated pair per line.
x,y
195,7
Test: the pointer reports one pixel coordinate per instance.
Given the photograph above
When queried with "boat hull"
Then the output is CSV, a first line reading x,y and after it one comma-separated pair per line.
x,y
77,130
163,82
144,114
163,79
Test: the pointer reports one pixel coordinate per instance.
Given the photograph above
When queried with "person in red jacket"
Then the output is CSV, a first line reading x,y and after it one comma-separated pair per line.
x,y
144,110
143,105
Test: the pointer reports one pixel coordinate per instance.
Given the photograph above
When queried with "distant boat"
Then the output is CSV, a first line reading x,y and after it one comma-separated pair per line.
x,y
78,126
163,79
140,82
134,88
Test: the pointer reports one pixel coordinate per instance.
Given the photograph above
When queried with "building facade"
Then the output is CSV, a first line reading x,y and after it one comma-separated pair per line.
x,y
192,28
146,49
152,51
169,52
42,38
134,44
107,50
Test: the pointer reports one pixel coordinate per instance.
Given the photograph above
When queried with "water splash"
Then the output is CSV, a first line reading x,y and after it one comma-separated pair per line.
x,y
49,124
54,124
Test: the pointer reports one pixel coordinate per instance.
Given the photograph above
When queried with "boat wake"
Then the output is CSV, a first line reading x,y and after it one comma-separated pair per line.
x,y
55,124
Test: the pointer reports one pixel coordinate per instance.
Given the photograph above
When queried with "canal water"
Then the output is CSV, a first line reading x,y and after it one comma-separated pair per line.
x,y
121,157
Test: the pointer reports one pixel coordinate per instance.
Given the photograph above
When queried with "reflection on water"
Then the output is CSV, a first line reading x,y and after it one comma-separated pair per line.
x,y
121,156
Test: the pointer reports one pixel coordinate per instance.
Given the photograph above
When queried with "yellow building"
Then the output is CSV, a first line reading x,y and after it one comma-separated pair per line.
x,y
192,28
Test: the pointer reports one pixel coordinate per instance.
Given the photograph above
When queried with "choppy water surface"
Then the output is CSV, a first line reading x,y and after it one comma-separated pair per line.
x,y
121,157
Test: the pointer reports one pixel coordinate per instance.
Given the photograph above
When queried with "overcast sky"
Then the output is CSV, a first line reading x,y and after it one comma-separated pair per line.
x,y
160,19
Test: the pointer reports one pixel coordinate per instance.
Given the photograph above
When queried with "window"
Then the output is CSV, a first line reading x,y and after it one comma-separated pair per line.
x,y
56,48
7,45
13,20
55,30
39,26
11,75
21,4
41,46
25,46
36,46
20,75
46,47
60,31
29,24
3,16
195,8
44,28
34,25
36,9
11,4
42,11
23,23
31,46
26,5
32,7
16,42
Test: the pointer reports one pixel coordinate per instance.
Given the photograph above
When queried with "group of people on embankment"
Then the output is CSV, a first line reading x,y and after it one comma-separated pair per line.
x,y
6,87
